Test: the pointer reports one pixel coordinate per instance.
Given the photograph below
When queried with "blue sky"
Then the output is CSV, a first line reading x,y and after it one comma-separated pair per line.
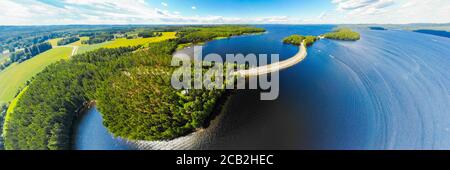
x,y
45,12
248,8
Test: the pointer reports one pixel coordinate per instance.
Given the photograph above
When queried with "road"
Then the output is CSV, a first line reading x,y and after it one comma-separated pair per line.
x,y
255,71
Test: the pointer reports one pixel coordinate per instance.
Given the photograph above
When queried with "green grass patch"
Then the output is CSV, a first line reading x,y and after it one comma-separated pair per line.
x,y
123,42
16,75
87,48
54,41
182,46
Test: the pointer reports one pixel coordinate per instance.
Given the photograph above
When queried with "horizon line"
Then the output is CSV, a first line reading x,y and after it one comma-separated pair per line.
x,y
181,24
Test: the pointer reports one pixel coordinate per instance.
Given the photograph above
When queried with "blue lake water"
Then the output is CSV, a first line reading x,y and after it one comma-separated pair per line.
x,y
389,90
90,134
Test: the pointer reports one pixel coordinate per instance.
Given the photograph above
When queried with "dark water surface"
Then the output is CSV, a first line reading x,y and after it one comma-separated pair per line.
x,y
90,134
389,90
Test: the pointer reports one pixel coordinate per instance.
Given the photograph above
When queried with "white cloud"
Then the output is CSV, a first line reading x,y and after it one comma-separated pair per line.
x,y
139,12
389,11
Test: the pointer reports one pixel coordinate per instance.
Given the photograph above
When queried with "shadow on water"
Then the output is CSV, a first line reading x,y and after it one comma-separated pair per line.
x,y
90,134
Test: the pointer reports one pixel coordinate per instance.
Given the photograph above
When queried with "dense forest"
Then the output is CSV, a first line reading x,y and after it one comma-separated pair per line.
x,y
298,39
197,35
66,41
345,34
99,38
3,109
131,88
294,39
339,34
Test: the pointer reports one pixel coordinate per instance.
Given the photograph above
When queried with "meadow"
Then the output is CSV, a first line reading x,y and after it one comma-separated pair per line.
x,y
15,76
123,42
54,42
87,48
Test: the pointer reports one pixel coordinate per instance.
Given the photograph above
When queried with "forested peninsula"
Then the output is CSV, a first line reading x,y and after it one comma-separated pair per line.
x,y
130,86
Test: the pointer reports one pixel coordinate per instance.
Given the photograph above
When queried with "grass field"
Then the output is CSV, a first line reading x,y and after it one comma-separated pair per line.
x,y
123,42
54,42
87,48
13,78
11,109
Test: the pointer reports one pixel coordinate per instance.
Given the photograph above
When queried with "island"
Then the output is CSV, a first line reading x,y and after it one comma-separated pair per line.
x,y
345,34
441,33
377,28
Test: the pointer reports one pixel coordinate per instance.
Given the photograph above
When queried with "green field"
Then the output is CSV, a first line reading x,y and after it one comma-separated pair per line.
x,y
13,78
87,48
54,42
123,42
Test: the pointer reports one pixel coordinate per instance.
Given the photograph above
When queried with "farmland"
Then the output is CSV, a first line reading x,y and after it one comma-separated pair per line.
x,y
15,76
123,42
87,48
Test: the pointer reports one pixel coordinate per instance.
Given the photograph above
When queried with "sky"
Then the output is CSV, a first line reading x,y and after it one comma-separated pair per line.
x,y
61,12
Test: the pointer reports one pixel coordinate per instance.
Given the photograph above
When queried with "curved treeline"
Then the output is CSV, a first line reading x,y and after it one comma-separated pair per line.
x,y
132,90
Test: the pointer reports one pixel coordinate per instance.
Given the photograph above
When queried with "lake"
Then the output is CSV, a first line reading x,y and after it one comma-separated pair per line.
x,y
389,90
